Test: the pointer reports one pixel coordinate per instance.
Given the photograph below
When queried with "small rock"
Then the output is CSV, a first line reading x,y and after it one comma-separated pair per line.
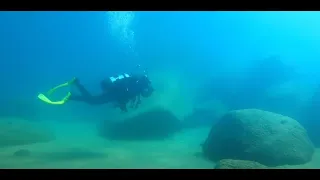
x,y
239,164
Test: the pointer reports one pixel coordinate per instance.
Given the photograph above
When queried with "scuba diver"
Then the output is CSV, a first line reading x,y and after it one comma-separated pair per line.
x,y
118,90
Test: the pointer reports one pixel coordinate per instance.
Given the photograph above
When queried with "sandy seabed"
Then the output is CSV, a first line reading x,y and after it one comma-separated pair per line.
x,y
78,146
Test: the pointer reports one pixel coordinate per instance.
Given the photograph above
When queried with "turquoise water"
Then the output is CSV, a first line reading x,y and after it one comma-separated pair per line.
x,y
201,64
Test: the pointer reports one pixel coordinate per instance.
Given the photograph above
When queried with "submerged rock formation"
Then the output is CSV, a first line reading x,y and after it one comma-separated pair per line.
x,y
15,131
255,135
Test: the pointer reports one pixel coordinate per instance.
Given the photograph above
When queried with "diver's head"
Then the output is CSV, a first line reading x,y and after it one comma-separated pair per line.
x,y
146,86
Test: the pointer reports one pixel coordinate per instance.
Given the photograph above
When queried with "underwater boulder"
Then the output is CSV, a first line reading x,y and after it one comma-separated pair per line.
x,y
255,135
239,164
157,123
16,131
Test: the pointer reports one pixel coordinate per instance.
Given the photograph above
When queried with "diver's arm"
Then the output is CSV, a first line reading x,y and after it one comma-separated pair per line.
x,y
81,88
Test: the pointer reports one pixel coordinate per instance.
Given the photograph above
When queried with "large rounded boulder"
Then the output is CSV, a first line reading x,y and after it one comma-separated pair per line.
x,y
255,135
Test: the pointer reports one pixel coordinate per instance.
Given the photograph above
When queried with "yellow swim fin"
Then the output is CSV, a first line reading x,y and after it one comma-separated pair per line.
x,y
45,99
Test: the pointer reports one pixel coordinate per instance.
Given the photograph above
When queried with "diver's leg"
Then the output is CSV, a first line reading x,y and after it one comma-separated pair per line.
x,y
84,96
84,92
92,100
74,97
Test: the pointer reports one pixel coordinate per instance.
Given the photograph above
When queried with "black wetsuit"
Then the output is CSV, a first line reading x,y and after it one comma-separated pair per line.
x,y
119,92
